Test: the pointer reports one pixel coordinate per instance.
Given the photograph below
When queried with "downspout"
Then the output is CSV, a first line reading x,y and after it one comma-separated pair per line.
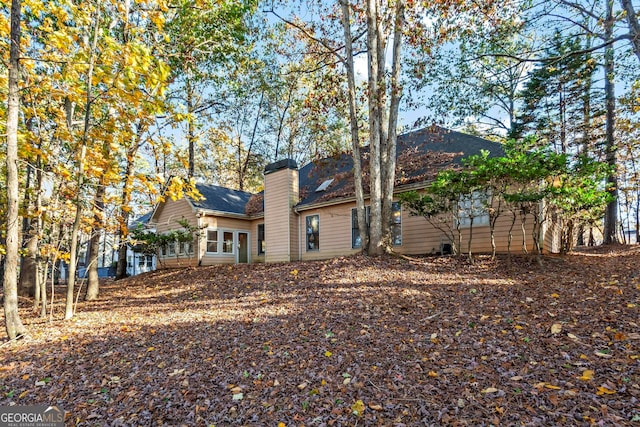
x,y
199,240
299,235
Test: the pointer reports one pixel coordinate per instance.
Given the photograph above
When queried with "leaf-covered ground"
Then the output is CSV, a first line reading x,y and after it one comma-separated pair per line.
x,y
345,342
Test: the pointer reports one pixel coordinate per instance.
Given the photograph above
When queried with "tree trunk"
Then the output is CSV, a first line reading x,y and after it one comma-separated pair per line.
x,y
634,26
611,213
93,285
73,252
375,116
28,284
361,211
121,266
191,133
13,323
388,167
27,280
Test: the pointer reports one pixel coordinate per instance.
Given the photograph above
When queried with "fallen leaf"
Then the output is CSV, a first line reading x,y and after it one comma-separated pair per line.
x,y
587,375
375,407
556,328
604,390
238,396
358,408
573,337
490,390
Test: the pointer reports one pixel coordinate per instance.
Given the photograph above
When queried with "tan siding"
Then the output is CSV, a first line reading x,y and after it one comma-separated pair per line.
x,y
293,218
280,195
335,232
169,213
223,224
254,241
418,236
166,219
551,234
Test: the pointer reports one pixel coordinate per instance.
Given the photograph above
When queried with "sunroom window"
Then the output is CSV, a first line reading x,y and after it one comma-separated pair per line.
x,y
474,206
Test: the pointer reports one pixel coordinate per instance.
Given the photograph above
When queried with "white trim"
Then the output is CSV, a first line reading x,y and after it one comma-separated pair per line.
x,y
237,243
206,242
474,200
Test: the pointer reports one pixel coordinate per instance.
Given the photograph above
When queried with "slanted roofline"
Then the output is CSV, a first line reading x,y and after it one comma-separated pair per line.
x,y
279,165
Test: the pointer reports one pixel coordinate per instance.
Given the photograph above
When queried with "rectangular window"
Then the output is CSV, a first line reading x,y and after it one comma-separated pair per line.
x,y
261,242
172,248
186,248
474,206
227,242
212,241
355,228
396,226
149,261
313,232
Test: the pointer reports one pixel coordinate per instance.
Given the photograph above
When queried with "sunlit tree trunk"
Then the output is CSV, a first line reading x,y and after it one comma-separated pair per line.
x,y
13,324
634,25
93,285
73,252
388,167
353,126
375,124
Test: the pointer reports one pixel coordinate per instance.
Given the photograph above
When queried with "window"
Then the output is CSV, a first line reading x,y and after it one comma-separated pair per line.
x,y
227,242
212,241
172,248
355,228
313,232
186,248
324,185
261,242
395,225
474,206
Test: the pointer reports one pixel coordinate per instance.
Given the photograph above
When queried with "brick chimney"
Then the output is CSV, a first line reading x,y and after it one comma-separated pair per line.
x,y
281,193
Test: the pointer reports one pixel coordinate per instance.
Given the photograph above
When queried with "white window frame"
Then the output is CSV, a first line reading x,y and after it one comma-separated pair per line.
x,y
223,242
354,236
478,203
220,242
316,244
217,241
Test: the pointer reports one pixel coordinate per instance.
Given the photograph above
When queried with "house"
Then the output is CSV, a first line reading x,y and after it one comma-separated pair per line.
x,y
308,213
138,262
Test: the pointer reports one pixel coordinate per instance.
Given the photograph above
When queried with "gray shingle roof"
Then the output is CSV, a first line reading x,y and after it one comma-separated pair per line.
x,y
420,155
222,199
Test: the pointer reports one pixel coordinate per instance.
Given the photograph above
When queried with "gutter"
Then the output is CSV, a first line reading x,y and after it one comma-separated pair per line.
x,y
338,201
